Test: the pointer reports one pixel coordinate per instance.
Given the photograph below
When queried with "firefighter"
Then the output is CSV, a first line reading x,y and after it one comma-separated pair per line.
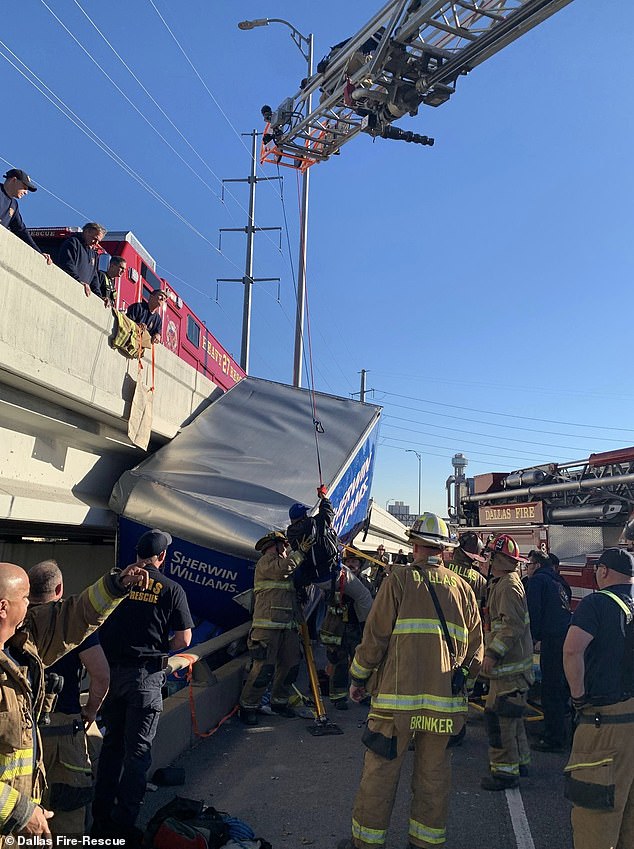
x,y
29,641
349,603
464,562
273,639
508,664
599,665
324,556
418,669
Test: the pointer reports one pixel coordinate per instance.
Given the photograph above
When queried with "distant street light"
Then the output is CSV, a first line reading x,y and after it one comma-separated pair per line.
x,y
305,46
420,467
388,501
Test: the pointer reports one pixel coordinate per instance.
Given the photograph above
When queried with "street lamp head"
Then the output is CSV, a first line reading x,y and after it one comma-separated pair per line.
x,y
258,22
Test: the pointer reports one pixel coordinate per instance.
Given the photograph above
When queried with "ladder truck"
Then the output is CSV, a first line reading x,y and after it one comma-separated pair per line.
x,y
409,54
573,510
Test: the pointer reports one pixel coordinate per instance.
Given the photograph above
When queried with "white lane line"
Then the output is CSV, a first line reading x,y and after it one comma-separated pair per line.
x,y
519,820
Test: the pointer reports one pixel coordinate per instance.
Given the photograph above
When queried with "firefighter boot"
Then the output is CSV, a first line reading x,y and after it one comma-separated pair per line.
x,y
497,782
248,716
284,710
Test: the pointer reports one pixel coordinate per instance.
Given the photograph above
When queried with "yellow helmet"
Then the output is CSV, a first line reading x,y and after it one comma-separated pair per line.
x,y
432,530
269,539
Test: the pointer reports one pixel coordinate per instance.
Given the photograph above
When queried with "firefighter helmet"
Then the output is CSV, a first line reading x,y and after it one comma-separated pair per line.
x,y
472,546
433,530
504,544
269,539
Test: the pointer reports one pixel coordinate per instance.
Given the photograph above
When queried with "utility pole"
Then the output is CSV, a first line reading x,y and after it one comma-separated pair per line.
x,y
248,280
363,392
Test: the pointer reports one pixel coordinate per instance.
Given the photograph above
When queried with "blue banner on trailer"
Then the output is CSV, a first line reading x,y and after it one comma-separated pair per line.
x,y
211,578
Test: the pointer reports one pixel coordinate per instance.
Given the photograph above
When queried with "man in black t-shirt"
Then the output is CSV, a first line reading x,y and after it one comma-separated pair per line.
x,y
599,666
136,644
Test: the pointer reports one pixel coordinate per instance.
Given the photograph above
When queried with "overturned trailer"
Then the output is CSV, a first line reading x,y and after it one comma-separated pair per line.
x,y
232,474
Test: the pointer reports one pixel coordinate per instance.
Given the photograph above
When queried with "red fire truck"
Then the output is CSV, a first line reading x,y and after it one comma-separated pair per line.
x,y
573,510
183,332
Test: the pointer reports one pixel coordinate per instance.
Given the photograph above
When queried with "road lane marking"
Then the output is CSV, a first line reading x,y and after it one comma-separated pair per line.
x,y
519,820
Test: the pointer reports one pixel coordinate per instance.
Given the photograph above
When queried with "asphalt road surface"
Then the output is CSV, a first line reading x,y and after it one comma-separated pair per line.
x,y
296,790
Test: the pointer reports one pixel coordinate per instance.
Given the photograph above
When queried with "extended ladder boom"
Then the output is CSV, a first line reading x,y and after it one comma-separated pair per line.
x,y
409,54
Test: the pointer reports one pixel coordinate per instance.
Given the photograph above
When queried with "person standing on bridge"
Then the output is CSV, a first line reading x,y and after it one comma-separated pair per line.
x,y
599,665
421,639
136,642
17,184
78,256
148,315
508,664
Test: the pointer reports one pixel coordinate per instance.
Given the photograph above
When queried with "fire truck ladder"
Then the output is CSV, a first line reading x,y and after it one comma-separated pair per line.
x,y
409,54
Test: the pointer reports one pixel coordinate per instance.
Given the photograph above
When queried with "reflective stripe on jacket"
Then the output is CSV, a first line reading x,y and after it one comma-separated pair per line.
x,y
403,642
275,602
509,640
49,631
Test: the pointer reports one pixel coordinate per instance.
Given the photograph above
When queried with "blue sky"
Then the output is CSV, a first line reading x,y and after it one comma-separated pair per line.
x,y
484,283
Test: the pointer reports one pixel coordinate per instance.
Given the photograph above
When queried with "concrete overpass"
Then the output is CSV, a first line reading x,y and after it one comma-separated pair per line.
x,y
65,396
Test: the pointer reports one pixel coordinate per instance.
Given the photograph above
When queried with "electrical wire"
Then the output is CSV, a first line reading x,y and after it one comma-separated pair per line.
x,y
471,420
477,453
52,194
476,433
486,463
132,104
504,415
466,441
195,70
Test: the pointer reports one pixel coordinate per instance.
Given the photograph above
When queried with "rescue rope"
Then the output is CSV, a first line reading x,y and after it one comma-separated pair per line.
x,y
308,363
189,674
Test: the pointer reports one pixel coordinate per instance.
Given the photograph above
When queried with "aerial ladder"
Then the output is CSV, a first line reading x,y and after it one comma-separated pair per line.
x,y
409,54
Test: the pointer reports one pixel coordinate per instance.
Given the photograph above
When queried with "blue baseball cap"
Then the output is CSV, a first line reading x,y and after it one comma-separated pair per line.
x,y
297,511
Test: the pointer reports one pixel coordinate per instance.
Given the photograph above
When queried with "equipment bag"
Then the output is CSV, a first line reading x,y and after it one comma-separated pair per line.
x,y
186,824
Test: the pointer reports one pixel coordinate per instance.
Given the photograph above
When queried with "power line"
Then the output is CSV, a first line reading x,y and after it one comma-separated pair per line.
x,y
432,454
477,453
133,105
195,70
504,415
478,433
466,441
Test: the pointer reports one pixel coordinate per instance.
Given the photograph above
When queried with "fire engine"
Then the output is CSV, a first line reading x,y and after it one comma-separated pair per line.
x,y
183,332
573,510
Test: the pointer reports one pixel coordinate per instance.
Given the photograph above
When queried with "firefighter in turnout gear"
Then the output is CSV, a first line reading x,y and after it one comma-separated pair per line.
x,y
30,641
464,562
421,639
273,638
349,603
508,664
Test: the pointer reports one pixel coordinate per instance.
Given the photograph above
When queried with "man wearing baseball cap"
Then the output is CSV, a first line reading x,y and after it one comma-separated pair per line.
x,y
137,642
17,184
599,666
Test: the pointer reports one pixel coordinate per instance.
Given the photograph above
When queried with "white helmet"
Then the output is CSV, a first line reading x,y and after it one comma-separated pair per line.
x,y
431,529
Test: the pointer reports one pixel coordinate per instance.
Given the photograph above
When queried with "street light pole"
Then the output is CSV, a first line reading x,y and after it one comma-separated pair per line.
x,y
305,45
420,467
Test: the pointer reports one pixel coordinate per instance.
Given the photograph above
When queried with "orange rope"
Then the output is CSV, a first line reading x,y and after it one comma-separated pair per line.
x,y
191,659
